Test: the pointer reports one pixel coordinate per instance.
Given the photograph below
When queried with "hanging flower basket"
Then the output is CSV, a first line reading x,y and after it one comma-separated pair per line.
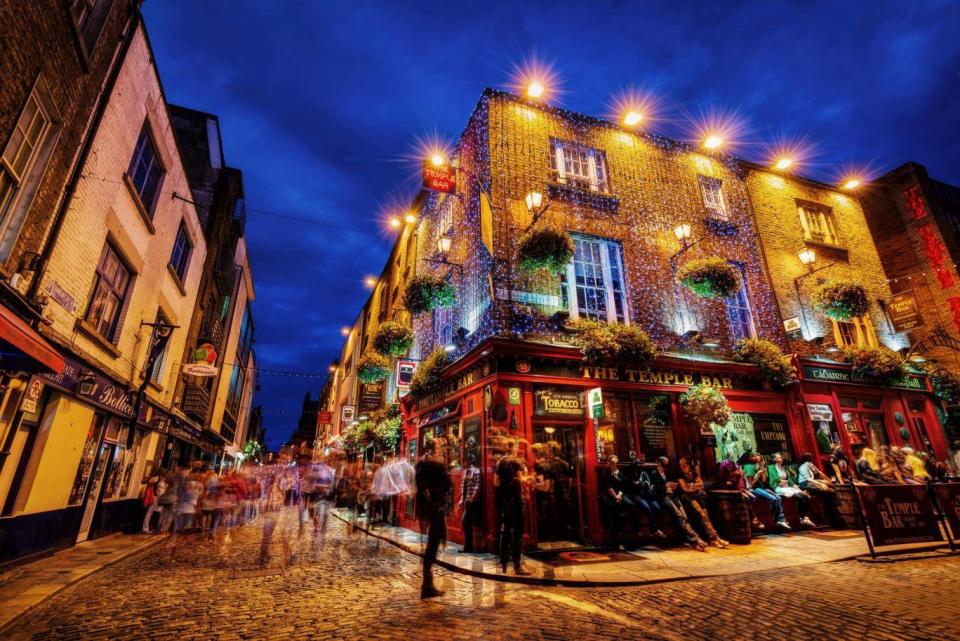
x,y
426,293
426,377
710,277
946,382
372,368
365,434
705,405
767,356
549,248
876,362
841,301
387,434
613,344
393,339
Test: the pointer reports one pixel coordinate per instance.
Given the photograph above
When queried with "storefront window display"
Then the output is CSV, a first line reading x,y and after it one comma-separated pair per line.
x,y
122,468
655,426
824,426
88,456
471,439
863,422
761,433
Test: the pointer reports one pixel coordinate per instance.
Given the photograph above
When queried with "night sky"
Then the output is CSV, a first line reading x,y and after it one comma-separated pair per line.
x,y
322,105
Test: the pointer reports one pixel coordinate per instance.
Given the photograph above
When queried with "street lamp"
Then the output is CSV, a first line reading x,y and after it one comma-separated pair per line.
x,y
437,159
807,257
682,232
783,163
443,245
535,89
394,222
410,218
713,141
632,119
537,205
534,200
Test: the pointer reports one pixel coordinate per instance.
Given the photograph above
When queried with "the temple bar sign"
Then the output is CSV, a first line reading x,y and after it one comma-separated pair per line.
x,y
904,313
439,178
656,377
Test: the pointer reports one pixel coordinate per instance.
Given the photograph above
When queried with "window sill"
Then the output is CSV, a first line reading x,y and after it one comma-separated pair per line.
x,y
176,279
144,214
830,250
595,199
721,226
90,332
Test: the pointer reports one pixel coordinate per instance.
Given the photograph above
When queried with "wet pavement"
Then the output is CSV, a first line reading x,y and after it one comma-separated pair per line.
x,y
343,584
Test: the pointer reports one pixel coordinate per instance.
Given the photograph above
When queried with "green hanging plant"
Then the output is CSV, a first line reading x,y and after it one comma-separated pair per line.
x,y
426,377
841,301
426,293
372,368
613,343
710,277
548,247
705,405
387,434
393,339
768,357
945,381
876,362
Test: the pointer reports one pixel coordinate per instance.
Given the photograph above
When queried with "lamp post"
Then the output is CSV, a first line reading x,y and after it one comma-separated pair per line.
x,y
160,333
683,231
537,206
807,257
444,244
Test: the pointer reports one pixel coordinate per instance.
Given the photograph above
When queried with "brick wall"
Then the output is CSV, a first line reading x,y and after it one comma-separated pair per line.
x,y
104,207
774,198
37,38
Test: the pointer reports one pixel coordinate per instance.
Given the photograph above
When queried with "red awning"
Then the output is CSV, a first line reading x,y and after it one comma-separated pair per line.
x,y
15,331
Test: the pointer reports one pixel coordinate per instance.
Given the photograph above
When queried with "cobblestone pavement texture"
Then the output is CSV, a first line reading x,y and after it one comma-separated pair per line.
x,y
345,585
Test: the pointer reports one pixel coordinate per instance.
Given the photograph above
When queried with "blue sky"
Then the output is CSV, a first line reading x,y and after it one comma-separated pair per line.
x,y
322,103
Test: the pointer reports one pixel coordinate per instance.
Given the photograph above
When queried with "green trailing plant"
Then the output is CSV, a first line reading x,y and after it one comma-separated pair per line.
x,y
710,277
841,301
705,405
876,362
613,343
773,364
387,434
393,339
372,368
945,381
426,293
548,247
426,378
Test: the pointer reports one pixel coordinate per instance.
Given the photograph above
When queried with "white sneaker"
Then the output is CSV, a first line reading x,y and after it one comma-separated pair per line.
x,y
783,525
806,521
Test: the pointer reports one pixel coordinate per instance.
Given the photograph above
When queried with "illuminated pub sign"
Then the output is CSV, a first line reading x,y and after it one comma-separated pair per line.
x,y
439,178
658,376
830,375
551,401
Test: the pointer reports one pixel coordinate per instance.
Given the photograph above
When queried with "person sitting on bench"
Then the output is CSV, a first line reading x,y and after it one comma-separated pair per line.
x,y
613,499
783,483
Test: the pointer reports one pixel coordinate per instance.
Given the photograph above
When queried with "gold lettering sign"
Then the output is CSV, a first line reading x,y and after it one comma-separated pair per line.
x,y
656,377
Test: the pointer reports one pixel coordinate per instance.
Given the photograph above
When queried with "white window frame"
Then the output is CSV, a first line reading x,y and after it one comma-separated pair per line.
x,y
747,306
712,193
859,328
571,280
819,224
594,175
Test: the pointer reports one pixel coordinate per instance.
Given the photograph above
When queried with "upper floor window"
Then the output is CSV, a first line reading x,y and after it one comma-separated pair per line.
x,y
82,10
594,286
819,224
712,196
739,314
111,286
578,166
146,172
857,333
20,154
182,248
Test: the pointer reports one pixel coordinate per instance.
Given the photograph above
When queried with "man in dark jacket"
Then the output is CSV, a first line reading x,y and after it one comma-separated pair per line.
x,y
663,489
433,494
509,475
613,499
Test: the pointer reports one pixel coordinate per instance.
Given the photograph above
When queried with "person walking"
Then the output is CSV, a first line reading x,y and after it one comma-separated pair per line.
x,y
469,501
508,479
151,499
167,502
433,491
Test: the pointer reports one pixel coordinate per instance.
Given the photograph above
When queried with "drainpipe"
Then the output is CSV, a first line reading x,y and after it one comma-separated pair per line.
x,y
71,188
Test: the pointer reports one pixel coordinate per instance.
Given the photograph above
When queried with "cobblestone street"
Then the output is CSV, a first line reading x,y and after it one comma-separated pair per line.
x,y
345,585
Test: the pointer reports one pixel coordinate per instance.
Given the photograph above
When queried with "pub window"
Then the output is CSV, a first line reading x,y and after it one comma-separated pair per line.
x,y
712,197
614,434
145,172
765,434
594,287
111,286
856,332
739,314
819,224
578,166
656,428
182,248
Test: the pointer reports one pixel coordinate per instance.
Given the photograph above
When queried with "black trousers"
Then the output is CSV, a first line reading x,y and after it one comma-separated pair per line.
x,y
436,532
470,514
511,531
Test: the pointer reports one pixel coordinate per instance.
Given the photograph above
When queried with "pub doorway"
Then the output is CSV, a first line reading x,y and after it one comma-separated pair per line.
x,y
559,473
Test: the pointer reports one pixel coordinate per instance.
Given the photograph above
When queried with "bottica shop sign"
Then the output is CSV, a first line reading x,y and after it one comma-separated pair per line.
x,y
657,377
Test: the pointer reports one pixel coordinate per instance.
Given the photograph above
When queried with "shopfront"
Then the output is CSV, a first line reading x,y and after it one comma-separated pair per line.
x,y
568,418
842,408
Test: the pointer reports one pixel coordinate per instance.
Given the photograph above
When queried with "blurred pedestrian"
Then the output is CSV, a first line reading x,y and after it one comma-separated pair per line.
x,y
433,492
